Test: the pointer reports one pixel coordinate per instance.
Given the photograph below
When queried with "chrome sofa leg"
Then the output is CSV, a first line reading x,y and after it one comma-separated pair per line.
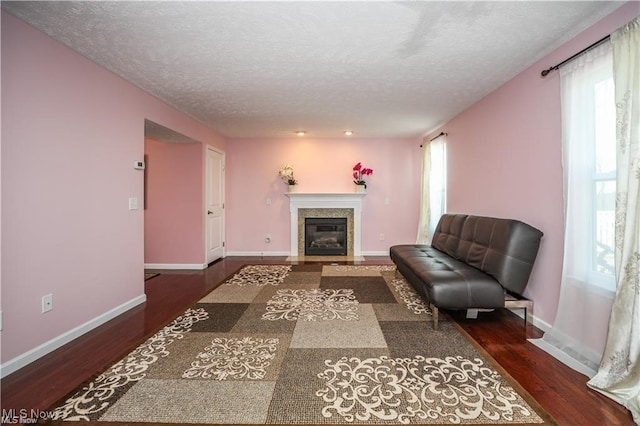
x,y
526,304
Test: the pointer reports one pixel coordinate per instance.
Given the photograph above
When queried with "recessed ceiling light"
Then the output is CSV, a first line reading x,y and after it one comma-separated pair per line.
x,y
348,132
301,133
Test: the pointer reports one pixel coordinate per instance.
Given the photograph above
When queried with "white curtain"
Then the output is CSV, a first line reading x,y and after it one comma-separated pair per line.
x,y
434,187
587,288
619,373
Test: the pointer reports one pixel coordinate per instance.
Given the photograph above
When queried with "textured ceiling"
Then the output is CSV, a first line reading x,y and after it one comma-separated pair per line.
x,y
266,69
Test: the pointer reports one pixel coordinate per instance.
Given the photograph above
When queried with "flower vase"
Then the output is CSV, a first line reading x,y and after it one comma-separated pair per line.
x,y
361,188
293,188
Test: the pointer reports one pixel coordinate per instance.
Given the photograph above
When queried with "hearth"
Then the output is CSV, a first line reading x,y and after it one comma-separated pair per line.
x,y
325,236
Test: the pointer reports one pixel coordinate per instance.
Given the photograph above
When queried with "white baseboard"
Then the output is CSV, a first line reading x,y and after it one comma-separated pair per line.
x,y
563,357
552,350
287,254
542,325
53,344
376,253
173,266
258,253
556,352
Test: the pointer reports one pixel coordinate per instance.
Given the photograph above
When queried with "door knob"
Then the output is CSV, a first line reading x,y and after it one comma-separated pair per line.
x,y
209,212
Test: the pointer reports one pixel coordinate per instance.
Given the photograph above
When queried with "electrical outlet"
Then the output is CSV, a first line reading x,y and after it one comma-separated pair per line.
x,y
381,237
47,303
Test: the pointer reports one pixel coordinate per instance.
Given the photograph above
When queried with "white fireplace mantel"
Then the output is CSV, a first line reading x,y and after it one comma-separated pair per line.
x,y
304,200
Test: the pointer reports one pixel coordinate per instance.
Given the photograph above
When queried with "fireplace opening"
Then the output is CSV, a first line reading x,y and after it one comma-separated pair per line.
x,y
325,236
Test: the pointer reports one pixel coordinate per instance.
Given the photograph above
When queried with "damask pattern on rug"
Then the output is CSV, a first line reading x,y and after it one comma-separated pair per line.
x,y
452,390
234,359
352,347
381,268
410,297
312,305
260,275
90,402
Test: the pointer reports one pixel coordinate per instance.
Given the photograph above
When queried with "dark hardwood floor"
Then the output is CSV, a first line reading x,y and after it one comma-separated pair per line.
x,y
560,390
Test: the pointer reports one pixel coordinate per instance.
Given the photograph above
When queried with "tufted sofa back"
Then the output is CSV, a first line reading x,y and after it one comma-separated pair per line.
x,y
502,248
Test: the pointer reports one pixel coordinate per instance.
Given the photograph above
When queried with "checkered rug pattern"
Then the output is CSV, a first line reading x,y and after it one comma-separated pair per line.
x,y
305,344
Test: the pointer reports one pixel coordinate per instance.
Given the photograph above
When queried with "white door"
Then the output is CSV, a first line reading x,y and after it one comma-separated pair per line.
x,y
214,203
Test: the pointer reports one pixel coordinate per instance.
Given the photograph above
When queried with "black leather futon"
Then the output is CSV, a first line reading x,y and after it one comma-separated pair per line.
x,y
473,262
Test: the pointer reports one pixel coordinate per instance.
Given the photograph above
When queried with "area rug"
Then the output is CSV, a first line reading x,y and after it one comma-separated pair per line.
x,y
306,344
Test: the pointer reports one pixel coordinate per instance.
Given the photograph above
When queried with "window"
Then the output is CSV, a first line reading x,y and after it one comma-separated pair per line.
x,y
589,152
437,182
604,180
434,187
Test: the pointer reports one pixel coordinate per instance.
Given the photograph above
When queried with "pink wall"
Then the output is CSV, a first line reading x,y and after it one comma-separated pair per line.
x,y
71,131
173,203
504,158
321,165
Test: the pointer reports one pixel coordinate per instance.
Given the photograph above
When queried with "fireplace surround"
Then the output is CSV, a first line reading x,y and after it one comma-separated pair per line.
x,y
346,205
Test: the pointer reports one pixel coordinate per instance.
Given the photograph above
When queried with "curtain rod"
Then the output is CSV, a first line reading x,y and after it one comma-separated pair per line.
x,y
555,67
435,137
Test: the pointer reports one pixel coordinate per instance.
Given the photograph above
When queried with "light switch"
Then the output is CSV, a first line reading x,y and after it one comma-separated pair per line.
x,y
133,203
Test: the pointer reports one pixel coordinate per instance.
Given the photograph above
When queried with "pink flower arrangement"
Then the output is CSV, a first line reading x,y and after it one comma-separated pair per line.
x,y
359,173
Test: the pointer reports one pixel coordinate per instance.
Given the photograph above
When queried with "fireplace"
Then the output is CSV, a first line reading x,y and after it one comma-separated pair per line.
x,y
325,236
326,205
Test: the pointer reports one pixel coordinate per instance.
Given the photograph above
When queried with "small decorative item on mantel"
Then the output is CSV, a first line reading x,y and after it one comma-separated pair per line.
x,y
359,173
286,174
